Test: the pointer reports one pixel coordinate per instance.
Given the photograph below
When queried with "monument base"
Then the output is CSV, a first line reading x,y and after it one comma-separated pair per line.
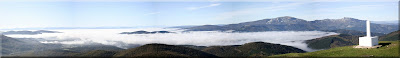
x,y
368,41
368,47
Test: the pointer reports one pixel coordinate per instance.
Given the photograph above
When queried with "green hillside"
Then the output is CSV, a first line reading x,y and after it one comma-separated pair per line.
x,y
10,46
84,50
332,41
389,49
254,49
162,50
345,40
99,53
393,36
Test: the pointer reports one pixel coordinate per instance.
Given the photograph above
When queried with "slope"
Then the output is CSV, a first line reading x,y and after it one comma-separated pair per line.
x,y
390,37
254,49
389,49
162,50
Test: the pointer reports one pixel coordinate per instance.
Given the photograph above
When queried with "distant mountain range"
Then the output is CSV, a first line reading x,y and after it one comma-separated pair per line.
x,y
10,46
47,28
28,32
288,23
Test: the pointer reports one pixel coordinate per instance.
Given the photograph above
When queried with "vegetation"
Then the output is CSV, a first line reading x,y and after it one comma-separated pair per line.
x,y
98,53
341,46
332,41
390,37
162,50
389,49
345,39
255,49
11,45
84,50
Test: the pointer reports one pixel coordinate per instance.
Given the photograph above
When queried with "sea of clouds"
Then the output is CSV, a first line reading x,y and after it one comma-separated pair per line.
x,y
199,38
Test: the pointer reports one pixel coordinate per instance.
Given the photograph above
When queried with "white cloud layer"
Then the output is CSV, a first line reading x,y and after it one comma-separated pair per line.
x,y
204,38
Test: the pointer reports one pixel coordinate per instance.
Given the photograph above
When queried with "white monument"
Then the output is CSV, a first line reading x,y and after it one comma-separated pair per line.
x,y
368,41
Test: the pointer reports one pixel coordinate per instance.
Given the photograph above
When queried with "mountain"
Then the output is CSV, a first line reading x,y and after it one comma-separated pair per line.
x,y
288,23
10,46
193,47
352,24
162,50
390,37
28,32
99,54
389,49
254,49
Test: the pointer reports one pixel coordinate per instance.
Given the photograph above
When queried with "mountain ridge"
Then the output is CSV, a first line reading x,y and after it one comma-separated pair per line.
x,y
288,23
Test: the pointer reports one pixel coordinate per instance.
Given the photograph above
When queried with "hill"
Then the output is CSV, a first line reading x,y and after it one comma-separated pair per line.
x,y
10,46
332,41
389,49
84,50
162,50
99,53
390,37
288,23
28,32
345,39
254,49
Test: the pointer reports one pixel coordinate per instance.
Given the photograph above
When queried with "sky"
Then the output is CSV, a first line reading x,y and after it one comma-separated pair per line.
x,y
130,13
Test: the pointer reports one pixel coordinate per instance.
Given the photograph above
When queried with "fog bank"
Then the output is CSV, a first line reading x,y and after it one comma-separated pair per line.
x,y
199,38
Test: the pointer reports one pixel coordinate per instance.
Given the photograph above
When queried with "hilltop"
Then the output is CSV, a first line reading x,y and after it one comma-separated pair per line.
x,y
29,32
254,49
342,46
346,39
10,46
162,50
389,49
390,37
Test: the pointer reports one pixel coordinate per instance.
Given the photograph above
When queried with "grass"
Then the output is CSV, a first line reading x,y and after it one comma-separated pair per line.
x,y
389,49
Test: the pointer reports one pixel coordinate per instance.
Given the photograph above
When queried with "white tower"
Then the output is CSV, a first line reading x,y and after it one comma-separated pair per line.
x,y
368,41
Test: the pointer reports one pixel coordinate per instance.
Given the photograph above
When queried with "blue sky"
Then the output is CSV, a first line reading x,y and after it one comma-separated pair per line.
x,y
129,13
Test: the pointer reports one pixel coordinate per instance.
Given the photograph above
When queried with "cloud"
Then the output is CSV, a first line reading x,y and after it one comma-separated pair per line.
x,y
248,11
200,38
200,7
153,13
